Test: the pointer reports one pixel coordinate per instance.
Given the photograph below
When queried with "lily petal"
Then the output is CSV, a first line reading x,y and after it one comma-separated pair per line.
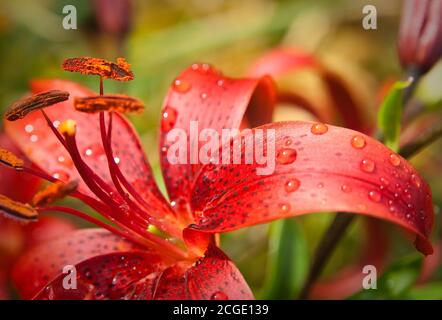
x,y
116,276
318,167
213,277
202,94
44,262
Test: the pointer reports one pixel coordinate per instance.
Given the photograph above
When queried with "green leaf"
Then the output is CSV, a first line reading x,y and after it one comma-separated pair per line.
x,y
390,114
431,291
288,261
396,281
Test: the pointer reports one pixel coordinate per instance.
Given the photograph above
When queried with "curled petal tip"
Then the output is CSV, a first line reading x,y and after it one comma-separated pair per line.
x,y
24,106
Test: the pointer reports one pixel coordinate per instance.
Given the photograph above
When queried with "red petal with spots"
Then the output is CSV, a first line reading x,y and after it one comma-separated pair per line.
x,y
36,139
213,277
202,94
317,168
42,263
346,109
129,276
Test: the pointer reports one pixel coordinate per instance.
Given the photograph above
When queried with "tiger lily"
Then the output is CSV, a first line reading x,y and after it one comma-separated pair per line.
x,y
153,247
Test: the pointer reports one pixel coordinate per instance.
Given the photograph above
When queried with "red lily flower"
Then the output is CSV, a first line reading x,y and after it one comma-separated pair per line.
x,y
318,167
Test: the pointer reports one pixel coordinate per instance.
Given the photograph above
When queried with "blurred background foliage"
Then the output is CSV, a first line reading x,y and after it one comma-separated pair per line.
x,y
162,37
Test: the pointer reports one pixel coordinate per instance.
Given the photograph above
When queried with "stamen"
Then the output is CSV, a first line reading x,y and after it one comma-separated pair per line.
x,y
119,179
118,71
11,160
24,106
117,102
17,210
54,192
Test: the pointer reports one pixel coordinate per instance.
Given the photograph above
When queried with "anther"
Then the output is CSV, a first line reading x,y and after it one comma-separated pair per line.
x,y
118,71
24,106
11,160
17,210
54,192
119,103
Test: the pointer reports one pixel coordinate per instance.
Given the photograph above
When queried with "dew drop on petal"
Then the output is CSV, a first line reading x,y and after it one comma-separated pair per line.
x,y
181,86
33,138
367,165
88,152
203,95
358,141
320,185
374,196
384,181
394,159
219,295
319,128
288,141
168,119
220,83
286,156
284,208
415,180
345,188
29,128
292,185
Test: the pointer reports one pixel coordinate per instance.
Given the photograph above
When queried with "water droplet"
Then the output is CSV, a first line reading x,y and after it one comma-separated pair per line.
x,y
320,185
345,188
163,149
392,208
292,185
117,160
284,208
181,86
29,128
374,195
415,180
61,159
358,141
394,159
34,138
408,216
319,128
220,82
88,152
367,165
219,295
168,119
384,181
203,95
56,123
288,141
286,156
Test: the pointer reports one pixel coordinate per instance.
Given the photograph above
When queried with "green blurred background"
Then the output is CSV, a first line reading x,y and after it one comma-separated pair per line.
x,y
161,38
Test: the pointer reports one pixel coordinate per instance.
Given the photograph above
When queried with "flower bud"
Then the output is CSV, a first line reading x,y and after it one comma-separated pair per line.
x,y
420,34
